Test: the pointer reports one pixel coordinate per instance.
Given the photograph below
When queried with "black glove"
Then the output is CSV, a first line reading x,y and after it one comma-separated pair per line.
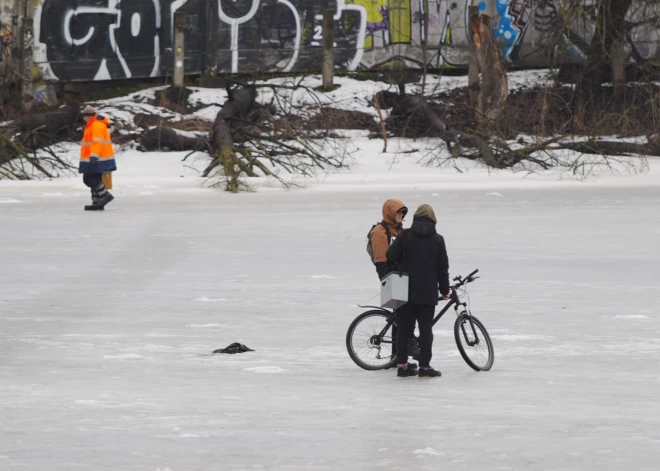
x,y
93,159
383,269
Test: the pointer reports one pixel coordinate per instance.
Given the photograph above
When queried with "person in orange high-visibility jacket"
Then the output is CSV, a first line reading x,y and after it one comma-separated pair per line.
x,y
97,156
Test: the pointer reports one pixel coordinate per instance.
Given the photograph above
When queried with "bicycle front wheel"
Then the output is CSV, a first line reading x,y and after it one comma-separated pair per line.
x,y
474,343
369,344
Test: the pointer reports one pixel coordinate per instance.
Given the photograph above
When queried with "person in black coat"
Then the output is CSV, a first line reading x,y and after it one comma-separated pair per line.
x,y
420,253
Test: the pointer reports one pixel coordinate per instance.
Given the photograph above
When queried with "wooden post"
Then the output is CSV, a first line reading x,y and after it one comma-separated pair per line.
x,y
425,48
473,61
619,68
328,50
179,49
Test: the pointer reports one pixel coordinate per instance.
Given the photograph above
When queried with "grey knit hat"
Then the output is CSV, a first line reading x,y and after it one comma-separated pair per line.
x,y
426,211
89,110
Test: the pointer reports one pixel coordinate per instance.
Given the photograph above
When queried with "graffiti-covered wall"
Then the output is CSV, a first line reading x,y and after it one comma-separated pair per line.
x,y
112,39
8,30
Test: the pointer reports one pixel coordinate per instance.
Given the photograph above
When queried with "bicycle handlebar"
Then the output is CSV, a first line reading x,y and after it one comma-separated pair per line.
x,y
467,279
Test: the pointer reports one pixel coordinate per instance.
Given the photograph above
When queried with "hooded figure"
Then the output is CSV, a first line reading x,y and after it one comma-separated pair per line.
x,y
420,252
97,156
393,213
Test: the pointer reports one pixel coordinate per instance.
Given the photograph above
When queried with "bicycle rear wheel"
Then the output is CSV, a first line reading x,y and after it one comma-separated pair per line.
x,y
474,343
366,347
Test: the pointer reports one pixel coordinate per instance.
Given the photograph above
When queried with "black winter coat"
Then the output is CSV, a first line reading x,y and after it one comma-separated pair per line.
x,y
420,252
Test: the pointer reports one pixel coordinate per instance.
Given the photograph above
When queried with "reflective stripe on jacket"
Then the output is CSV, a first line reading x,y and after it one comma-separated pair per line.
x,y
97,154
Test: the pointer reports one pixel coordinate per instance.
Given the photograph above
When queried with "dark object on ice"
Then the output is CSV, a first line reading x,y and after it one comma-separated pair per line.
x,y
94,207
234,348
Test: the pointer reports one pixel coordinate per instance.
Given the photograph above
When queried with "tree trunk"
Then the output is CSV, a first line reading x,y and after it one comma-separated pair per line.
x,y
46,128
612,148
619,68
240,103
610,28
494,88
473,61
166,138
411,116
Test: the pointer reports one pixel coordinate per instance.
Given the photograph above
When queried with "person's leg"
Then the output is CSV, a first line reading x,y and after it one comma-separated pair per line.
x,y
424,315
91,180
395,333
99,190
413,345
406,323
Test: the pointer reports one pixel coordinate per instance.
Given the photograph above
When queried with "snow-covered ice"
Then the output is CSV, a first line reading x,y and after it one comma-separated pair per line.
x,y
568,291
265,369
108,320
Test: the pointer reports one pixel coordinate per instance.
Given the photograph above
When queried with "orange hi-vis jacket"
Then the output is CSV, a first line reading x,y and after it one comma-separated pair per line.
x,y
97,154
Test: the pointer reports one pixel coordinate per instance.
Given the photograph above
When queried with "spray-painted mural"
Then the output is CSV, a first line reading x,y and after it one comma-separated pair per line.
x,y
112,39
8,39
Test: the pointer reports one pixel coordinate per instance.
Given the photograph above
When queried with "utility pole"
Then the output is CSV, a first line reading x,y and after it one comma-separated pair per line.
x,y
179,49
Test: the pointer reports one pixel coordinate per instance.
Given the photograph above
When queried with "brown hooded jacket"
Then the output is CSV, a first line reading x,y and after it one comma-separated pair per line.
x,y
379,242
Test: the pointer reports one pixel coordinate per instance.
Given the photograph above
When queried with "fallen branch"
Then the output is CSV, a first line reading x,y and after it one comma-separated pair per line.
x,y
16,160
166,138
611,148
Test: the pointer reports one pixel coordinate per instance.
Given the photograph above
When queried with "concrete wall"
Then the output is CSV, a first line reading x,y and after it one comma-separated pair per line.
x,y
110,39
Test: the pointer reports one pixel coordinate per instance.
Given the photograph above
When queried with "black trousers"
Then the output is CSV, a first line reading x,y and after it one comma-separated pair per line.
x,y
92,179
95,183
395,334
406,316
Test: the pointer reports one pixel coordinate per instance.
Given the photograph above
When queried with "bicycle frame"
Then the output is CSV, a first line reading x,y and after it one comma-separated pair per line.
x,y
468,330
453,301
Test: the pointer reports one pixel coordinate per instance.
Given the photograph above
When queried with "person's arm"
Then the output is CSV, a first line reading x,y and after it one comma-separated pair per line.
x,y
443,269
379,246
395,252
97,142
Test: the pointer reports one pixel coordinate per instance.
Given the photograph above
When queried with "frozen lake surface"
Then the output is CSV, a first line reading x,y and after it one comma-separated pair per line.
x,y
107,322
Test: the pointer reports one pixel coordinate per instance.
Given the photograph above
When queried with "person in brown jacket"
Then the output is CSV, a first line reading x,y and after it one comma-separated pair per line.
x,y
382,236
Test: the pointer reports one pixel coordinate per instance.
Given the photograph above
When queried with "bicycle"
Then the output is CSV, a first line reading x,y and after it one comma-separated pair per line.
x,y
469,333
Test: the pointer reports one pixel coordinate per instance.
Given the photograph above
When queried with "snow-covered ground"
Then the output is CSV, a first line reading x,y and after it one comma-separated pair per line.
x,y
107,322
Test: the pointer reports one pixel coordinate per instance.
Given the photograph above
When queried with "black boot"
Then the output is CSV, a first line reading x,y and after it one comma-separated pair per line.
x,y
429,373
406,372
105,199
95,206
102,195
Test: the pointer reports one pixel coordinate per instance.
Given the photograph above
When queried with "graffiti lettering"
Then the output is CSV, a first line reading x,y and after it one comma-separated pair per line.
x,y
642,25
116,39
91,42
513,25
545,13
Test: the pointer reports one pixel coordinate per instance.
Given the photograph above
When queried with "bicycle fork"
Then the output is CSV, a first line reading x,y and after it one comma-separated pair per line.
x,y
468,315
